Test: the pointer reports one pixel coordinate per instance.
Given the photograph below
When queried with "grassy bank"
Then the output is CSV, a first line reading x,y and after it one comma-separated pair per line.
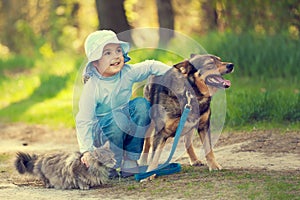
x,y
264,93
40,93
226,184
265,89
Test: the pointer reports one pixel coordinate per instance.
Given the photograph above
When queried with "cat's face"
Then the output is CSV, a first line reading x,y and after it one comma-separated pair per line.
x,y
104,155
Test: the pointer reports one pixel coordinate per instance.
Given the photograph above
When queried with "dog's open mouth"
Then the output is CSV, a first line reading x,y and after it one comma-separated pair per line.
x,y
217,81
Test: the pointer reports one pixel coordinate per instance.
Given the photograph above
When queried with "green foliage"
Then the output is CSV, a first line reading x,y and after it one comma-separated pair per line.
x,y
29,25
252,103
266,16
40,92
16,63
269,56
265,83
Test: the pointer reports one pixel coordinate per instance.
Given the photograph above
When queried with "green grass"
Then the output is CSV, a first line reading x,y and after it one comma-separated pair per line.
x,y
264,94
255,55
269,103
199,183
41,93
248,184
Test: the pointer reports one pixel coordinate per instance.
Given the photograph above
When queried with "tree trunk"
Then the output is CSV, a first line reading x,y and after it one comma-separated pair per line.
x,y
166,20
210,16
111,15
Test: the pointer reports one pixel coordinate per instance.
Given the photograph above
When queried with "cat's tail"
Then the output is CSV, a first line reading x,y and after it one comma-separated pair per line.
x,y
25,162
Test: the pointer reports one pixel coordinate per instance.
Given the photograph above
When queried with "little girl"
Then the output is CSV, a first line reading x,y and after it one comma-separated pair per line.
x,y
106,110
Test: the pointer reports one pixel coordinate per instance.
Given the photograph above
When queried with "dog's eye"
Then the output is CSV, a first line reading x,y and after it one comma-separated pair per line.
x,y
209,62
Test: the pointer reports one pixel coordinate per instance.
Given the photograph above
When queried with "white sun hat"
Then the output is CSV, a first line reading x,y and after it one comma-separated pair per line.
x,y
96,41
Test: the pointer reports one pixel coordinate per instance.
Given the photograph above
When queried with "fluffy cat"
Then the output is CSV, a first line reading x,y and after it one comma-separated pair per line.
x,y
65,170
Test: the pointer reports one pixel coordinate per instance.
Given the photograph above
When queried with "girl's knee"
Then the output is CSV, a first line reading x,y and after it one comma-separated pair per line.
x,y
140,111
141,104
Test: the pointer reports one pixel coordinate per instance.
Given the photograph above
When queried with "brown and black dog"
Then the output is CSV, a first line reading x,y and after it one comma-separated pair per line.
x,y
194,80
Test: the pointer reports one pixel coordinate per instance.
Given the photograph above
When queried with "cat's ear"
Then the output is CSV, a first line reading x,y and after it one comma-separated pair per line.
x,y
106,145
193,55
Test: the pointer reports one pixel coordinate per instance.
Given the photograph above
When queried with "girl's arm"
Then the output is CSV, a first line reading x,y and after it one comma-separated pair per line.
x,y
86,118
143,70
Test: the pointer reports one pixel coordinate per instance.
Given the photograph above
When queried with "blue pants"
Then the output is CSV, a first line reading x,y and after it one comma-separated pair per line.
x,y
125,129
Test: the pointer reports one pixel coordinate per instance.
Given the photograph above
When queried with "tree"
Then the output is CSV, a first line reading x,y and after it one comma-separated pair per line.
x,y
210,20
166,20
111,15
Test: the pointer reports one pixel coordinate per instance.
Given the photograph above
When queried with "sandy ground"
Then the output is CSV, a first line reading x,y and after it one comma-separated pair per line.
x,y
258,150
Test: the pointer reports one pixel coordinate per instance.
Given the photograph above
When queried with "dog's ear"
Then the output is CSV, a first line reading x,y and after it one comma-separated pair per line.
x,y
181,66
185,67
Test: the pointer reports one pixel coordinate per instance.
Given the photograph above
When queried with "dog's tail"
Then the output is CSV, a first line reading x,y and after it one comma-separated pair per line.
x,y
25,162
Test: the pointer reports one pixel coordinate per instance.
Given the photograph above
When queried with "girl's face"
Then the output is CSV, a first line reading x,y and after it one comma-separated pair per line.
x,y
111,62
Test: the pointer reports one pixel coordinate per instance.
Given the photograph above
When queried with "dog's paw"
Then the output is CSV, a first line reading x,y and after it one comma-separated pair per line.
x,y
197,163
144,180
85,188
148,179
213,165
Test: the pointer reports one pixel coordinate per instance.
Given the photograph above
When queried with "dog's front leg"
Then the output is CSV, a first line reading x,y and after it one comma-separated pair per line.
x,y
145,154
194,161
205,137
147,145
157,147
211,161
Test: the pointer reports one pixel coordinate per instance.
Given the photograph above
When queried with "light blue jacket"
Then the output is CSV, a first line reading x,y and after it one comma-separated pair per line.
x,y
101,95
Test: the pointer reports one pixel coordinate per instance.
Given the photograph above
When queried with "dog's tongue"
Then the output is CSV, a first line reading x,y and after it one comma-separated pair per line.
x,y
226,83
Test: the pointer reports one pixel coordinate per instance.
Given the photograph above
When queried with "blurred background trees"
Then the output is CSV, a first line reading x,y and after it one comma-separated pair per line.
x,y
41,52
29,25
111,15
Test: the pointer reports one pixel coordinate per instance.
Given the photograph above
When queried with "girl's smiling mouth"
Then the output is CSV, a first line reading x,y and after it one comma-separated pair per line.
x,y
115,64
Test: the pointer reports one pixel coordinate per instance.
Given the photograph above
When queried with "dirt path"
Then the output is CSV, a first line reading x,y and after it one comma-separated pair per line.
x,y
256,150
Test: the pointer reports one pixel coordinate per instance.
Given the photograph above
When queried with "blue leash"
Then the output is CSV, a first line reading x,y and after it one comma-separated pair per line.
x,y
168,168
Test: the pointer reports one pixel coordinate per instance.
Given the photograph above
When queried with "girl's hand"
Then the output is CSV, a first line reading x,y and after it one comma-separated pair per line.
x,y
84,158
